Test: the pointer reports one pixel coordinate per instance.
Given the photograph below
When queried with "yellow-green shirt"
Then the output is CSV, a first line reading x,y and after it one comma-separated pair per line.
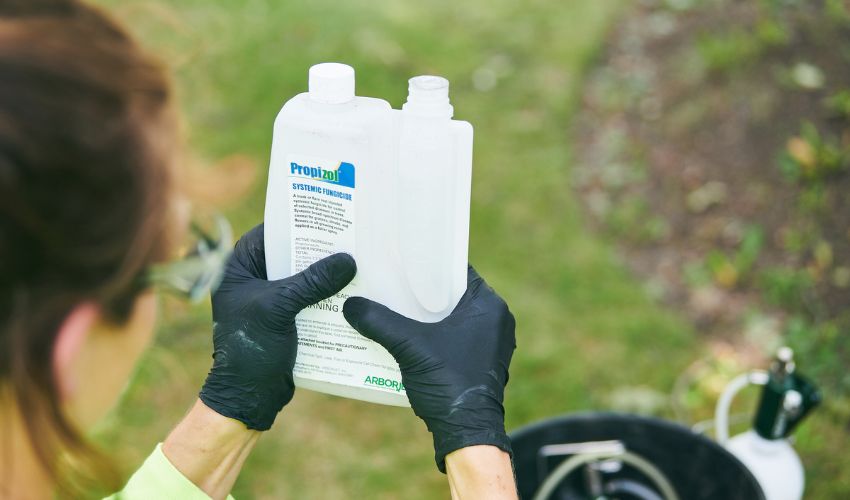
x,y
158,478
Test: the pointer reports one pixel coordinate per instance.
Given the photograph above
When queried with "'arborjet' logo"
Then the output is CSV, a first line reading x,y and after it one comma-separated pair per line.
x,y
384,382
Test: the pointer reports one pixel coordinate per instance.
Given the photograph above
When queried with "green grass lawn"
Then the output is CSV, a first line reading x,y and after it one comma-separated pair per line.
x,y
585,327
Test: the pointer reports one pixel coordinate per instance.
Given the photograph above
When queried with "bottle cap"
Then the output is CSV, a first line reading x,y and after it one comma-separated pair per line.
x,y
331,83
784,362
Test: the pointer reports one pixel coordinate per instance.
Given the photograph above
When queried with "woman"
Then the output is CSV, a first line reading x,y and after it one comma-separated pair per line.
x,y
87,149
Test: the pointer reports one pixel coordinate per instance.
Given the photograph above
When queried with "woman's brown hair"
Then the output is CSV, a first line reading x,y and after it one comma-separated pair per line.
x,y
86,132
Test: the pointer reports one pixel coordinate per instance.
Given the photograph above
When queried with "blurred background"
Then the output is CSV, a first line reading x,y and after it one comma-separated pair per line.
x,y
661,193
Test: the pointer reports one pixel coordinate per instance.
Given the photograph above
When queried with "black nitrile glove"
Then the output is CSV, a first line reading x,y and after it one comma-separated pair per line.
x,y
254,333
455,370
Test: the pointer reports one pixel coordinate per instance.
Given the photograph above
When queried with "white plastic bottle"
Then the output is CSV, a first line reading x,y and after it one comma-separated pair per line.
x,y
435,174
337,183
774,464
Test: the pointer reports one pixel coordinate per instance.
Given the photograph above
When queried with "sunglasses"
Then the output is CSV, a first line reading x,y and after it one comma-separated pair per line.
x,y
199,269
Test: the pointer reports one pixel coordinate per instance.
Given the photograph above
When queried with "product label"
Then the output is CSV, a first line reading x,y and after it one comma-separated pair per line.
x,y
322,198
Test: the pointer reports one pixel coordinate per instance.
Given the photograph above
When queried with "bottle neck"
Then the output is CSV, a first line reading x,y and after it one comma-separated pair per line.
x,y
428,110
428,96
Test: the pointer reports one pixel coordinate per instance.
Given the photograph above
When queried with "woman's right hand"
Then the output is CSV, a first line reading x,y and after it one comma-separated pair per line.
x,y
254,333
454,371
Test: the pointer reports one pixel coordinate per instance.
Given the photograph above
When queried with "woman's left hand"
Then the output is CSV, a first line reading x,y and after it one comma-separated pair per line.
x,y
254,334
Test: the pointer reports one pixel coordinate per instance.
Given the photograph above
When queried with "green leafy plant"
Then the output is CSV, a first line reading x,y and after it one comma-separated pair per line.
x,y
785,286
725,52
811,156
838,11
729,270
839,104
772,32
631,218
825,347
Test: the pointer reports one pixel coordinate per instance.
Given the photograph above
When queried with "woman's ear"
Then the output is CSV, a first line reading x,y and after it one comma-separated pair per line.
x,y
73,333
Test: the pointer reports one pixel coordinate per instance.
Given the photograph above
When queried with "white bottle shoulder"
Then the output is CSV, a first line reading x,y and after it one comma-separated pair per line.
x,y
358,110
462,126
351,119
